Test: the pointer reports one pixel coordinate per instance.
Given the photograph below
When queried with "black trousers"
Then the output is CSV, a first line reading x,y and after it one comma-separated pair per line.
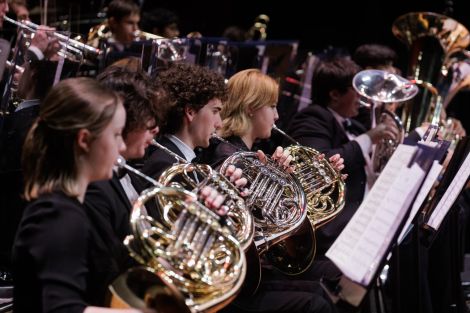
x,y
282,293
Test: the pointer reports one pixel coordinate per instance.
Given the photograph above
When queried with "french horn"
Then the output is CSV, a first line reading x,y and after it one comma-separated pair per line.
x,y
381,88
277,202
196,253
323,186
184,175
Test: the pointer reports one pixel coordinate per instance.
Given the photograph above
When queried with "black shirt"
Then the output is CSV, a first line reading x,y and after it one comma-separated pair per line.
x,y
57,266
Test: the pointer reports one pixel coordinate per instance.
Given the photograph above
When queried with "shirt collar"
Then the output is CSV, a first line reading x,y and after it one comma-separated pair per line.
x,y
188,153
337,117
27,104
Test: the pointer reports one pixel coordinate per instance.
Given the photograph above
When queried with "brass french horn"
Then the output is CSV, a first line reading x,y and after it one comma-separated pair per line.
x,y
277,202
323,186
380,88
196,253
184,175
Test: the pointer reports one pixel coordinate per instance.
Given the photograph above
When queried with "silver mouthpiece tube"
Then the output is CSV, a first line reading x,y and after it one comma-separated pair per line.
x,y
121,162
285,135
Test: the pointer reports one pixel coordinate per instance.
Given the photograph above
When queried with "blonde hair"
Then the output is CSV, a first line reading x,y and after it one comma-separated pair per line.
x,y
247,90
50,153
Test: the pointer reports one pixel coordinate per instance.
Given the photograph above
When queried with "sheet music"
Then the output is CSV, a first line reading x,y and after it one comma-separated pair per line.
x,y
359,248
431,178
450,195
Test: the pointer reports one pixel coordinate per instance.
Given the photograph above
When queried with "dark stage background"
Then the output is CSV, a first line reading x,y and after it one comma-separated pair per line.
x,y
343,24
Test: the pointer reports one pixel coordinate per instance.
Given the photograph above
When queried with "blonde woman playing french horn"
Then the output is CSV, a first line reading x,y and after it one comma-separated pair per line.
x,y
248,114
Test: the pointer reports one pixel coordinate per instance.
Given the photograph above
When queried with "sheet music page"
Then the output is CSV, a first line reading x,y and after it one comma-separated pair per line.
x,y
450,195
431,178
359,248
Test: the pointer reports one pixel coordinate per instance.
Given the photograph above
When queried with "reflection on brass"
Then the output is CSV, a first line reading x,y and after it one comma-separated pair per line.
x,y
323,186
184,175
432,39
196,253
381,88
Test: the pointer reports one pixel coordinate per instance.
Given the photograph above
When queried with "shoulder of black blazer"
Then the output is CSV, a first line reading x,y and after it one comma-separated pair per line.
x,y
160,160
316,117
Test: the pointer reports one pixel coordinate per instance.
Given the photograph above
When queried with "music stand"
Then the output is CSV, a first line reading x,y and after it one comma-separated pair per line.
x,y
394,192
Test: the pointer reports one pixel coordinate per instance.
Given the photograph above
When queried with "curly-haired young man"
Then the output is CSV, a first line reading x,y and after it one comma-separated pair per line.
x,y
196,95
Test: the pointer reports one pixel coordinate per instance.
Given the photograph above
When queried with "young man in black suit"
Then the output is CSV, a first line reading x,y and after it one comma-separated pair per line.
x,y
327,127
110,201
196,95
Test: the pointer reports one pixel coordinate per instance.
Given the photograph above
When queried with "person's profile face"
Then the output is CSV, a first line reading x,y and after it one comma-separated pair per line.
x,y
124,29
107,146
171,31
263,120
347,104
205,122
139,139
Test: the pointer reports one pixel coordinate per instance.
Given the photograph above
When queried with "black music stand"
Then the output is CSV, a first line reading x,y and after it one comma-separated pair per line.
x,y
352,293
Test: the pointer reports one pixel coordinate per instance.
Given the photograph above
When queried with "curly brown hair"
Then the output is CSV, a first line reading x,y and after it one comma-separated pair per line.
x,y
142,101
188,85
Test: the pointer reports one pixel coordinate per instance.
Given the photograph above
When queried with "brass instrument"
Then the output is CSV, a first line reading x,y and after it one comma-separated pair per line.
x,y
320,182
68,44
433,39
196,253
459,74
258,30
98,33
381,88
278,204
185,174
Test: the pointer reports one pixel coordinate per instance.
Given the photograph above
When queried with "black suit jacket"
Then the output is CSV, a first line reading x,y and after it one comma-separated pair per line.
x,y
160,160
316,127
107,204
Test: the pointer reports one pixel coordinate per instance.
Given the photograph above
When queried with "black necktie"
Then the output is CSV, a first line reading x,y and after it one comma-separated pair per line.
x,y
352,127
121,172
347,124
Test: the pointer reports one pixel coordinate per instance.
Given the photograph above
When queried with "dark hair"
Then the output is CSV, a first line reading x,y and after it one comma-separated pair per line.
x,y
119,9
188,85
141,102
50,155
158,18
234,33
335,74
374,55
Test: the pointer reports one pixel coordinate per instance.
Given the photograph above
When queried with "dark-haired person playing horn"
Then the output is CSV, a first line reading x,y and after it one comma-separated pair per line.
x,y
109,202
195,95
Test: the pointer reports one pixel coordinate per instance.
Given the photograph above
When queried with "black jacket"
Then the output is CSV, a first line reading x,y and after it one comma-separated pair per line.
x,y
316,127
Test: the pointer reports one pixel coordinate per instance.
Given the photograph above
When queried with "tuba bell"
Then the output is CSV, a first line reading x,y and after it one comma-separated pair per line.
x,y
195,255
433,39
323,186
381,88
